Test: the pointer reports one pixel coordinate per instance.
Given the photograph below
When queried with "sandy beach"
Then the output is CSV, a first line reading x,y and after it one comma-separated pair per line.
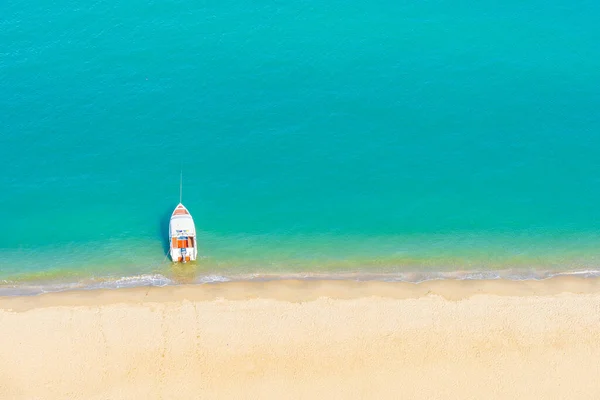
x,y
305,340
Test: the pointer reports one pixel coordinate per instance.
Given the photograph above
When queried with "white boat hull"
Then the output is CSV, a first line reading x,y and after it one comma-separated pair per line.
x,y
182,236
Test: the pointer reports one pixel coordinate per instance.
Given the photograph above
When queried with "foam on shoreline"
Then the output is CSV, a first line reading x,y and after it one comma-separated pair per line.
x,y
28,288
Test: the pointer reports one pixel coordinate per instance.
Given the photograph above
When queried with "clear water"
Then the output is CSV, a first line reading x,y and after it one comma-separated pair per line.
x,y
315,138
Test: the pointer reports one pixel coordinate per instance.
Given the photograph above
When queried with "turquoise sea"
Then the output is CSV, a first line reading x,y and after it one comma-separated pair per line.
x,y
381,140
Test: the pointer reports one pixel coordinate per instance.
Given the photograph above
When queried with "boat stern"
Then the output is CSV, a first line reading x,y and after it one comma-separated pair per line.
x,y
183,248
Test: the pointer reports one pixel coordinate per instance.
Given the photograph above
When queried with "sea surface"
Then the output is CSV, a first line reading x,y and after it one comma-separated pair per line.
x,y
400,140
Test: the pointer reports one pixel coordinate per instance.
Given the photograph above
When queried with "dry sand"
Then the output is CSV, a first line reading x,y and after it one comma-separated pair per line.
x,y
306,339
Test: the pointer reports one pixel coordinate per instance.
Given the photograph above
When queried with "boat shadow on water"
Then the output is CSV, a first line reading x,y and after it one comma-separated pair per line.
x,y
164,229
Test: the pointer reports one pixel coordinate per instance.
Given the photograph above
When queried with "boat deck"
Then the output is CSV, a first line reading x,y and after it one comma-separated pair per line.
x,y
185,243
181,211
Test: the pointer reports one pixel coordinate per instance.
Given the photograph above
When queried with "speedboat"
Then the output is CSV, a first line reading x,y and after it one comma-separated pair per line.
x,y
182,235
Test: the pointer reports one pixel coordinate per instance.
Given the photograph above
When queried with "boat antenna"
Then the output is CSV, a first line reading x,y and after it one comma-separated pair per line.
x,y
180,186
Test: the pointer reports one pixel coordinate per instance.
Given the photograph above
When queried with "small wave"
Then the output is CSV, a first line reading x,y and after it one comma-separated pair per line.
x,y
584,274
16,288
133,281
213,279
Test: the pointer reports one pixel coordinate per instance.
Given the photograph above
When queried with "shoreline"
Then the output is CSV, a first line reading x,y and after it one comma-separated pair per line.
x,y
10,288
299,290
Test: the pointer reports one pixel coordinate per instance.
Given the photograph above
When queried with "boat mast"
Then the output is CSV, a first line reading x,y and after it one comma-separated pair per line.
x,y
180,185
